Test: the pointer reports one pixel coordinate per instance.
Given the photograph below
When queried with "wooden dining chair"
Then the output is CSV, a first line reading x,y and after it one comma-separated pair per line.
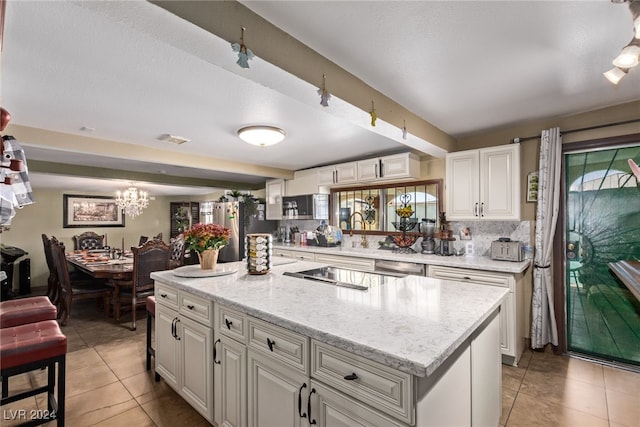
x,y
145,239
72,291
177,248
151,256
88,240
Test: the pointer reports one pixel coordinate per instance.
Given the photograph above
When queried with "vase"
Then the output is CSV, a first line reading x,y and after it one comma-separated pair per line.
x,y
208,259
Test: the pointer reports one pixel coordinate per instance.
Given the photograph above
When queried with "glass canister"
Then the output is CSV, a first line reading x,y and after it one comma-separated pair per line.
x,y
259,252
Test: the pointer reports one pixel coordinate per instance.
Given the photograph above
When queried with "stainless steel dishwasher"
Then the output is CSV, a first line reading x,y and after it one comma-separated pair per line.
x,y
403,267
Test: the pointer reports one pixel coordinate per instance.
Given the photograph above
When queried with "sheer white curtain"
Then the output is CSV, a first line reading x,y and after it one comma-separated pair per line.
x,y
543,325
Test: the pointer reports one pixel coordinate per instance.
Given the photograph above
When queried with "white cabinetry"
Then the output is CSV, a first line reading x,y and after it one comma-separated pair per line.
x,y
184,345
511,310
342,173
274,190
484,183
230,367
306,182
405,165
289,253
353,263
278,375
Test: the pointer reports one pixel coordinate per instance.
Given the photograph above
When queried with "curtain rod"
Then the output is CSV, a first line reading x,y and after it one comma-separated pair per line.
x,y
527,138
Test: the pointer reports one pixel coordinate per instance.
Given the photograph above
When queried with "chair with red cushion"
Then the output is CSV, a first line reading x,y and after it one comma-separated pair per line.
x,y
17,312
29,347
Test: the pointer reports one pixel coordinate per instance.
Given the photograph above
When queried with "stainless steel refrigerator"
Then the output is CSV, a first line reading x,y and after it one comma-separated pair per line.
x,y
232,215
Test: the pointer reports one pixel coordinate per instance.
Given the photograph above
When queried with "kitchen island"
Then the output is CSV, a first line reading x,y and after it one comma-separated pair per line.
x,y
413,351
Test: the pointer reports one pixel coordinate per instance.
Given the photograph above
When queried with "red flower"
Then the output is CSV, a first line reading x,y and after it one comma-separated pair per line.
x,y
201,237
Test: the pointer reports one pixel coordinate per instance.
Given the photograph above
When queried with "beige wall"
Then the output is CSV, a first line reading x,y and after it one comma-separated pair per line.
x,y
45,216
529,150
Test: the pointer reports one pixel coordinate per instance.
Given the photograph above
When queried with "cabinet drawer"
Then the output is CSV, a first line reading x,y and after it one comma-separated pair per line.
x,y
303,256
384,388
166,295
196,308
231,323
473,276
354,263
280,344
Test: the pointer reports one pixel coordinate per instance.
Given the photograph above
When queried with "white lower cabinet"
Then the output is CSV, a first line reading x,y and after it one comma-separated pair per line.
x,y
230,382
511,310
330,408
184,357
277,394
289,253
264,375
353,263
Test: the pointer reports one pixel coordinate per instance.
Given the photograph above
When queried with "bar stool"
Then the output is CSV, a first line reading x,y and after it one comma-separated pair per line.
x,y
151,313
32,346
26,310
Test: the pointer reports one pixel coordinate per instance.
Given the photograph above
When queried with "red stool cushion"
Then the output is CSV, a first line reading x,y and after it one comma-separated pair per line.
x,y
28,343
26,310
151,305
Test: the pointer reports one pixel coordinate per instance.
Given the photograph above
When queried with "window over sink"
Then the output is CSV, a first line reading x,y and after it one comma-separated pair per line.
x,y
375,207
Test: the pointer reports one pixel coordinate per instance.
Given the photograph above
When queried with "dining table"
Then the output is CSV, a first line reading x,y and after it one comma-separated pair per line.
x,y
99,264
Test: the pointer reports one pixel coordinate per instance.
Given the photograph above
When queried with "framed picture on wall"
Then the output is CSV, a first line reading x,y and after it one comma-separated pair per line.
x,y
532,187
91,211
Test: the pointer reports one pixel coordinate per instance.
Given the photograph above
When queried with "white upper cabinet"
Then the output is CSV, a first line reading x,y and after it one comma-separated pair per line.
x,y
343,173
405,165
484,183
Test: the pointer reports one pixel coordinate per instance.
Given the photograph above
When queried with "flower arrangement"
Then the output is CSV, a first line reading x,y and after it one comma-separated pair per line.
x,y
201,237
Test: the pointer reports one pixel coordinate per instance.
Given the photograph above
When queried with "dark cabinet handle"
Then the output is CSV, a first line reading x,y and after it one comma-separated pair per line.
x,y
215,352
228,323
351,377
466,278
163,295
270,343
311,421
190,307
475,210
304,385
173,327
177,321
482,209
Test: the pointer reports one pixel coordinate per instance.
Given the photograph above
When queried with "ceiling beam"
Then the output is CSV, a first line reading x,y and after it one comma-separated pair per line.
x,y
225,20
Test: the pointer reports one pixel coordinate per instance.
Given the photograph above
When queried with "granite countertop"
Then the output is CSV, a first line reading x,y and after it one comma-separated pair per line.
x,y
471,262
412,323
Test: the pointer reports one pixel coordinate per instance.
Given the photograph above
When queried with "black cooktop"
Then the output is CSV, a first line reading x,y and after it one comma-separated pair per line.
x,y
354,279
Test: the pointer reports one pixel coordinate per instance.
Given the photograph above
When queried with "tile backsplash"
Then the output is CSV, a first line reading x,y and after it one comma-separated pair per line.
x,y
482,232
485,232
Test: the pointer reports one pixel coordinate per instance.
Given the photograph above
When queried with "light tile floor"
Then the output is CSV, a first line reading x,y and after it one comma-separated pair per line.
x,y
107,385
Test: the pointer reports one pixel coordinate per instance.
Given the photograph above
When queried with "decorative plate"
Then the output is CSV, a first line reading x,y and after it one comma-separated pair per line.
x,y
196,271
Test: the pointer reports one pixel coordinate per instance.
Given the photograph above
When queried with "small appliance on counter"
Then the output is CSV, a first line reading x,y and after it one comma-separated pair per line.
x,y
428,229
505,249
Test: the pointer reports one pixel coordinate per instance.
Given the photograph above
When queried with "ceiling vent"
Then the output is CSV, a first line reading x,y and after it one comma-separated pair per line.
x,y
173,139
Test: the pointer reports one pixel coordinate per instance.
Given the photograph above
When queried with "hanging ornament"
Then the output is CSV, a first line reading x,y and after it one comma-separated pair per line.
x,y
244,54
325,96
374,117
404,130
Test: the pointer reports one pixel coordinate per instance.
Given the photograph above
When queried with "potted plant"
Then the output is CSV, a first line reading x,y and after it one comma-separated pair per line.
x,y
207,240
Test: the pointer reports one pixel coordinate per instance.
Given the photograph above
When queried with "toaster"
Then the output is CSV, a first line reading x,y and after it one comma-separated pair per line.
x,y
507,250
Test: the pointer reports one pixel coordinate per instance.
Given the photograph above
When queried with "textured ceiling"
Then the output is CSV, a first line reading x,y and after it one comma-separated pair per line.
x,y
132,71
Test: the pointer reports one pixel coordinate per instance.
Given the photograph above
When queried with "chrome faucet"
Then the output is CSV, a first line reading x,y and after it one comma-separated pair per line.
x,y
364,243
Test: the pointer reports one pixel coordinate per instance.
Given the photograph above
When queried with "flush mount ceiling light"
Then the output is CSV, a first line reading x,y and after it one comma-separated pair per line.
x,y
629,57
261,136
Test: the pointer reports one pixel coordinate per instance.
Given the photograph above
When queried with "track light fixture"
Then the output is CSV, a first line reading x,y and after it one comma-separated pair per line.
x,y
629,57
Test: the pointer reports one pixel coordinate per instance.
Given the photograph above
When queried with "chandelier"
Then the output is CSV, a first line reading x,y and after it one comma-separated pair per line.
x,y
131,202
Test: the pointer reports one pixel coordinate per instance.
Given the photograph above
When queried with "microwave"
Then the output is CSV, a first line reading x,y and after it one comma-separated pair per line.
x,y
308,206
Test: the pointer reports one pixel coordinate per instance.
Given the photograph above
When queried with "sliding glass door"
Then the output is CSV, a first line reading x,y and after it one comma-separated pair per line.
x,y
602,225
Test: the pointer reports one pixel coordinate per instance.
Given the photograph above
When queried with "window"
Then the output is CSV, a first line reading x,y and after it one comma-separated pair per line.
x,y
374,207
